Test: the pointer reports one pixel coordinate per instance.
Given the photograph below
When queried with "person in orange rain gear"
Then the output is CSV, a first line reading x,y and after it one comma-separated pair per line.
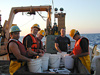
x,y
17,52
81,48
39,37
29,41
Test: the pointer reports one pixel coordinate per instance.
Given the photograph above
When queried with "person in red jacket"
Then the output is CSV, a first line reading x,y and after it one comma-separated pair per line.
x,y
81,48
30,42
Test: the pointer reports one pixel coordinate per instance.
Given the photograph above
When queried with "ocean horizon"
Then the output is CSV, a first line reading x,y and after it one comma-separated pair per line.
x,y
94,38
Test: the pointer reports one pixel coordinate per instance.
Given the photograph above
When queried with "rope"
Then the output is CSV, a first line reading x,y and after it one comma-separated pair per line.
x,y
42,16
26,23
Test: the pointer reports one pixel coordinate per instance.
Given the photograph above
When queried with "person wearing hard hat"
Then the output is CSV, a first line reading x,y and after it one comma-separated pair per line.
x,y
29,40
39,37
81,48
55,29
62,42
16,51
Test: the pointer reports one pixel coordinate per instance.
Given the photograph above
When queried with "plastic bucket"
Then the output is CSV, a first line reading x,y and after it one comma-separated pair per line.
x,y
35,65
47,55
69,62
62,56
54,61
45,61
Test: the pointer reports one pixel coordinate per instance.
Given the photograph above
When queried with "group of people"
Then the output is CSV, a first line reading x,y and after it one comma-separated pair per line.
x,y
32,46
80,50
20,53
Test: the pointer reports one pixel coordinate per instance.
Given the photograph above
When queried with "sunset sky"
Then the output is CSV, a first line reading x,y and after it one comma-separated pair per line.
x,y
83,15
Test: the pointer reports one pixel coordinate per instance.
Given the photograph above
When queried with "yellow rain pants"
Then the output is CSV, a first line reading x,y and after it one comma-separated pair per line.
x,y
86,61
14,66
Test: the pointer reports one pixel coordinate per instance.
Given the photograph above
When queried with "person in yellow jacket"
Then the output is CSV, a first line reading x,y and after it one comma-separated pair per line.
x,y
81,48
16,50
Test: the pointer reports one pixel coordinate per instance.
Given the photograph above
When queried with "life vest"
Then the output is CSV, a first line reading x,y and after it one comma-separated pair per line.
x,y
77,48
84,59
20,46
34,44
14,63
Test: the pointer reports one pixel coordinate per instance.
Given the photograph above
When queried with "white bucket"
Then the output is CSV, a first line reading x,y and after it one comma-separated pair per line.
x,y
62,54
69,62
47,55
54,61
63,58
35,65
45,61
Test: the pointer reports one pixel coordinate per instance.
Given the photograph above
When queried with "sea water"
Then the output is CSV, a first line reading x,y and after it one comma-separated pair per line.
x,y
93,39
